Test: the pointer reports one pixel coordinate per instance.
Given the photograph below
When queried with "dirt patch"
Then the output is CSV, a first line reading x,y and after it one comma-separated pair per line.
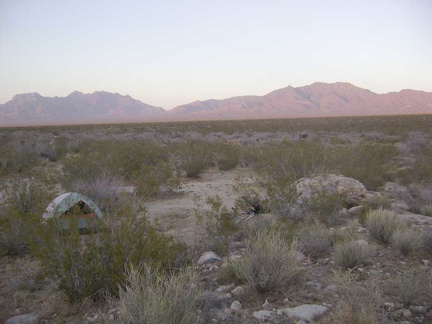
x,y
175,215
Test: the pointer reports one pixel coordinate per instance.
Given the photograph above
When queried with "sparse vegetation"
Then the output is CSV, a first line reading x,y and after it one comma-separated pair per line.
x,y
129,169
150,296
382,224
95,264
406,240
268,263
352,253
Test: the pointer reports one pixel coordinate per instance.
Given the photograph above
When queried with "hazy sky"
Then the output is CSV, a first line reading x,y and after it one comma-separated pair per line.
x,y
167,53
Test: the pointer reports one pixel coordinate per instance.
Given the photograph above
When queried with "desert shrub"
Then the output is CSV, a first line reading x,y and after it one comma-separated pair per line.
x,y
406,240
287,162
105,190
150,296
194,157
24,200
427,241
217,222
411,285
18,156
315,241
420,170
426,210
90,265
419,198
382,224
282,202
13,239
144,165
227,156
268,263
359,301
323,207
369,163
352,253
24,196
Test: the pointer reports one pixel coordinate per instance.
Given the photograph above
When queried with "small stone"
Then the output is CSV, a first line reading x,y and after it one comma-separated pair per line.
x,y
266,305
225,288
111,317
331,287
208,257
332,262
262,315
236,306
389,306
399,306
286,301
425,262
406,313
238,291
314,284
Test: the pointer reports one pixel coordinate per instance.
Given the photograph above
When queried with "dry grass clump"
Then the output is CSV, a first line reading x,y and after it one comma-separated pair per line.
x,y
353,253
152,297
382,224
412,285
406,241
315,241
359,302
268,263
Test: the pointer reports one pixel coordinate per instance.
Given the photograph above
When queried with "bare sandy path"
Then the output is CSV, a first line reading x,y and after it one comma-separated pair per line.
x,y
176,215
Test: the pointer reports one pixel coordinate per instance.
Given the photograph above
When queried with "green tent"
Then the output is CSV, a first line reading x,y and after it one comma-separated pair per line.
x,y
73,206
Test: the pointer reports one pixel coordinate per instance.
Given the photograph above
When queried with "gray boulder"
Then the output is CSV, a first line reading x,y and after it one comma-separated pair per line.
x,y
304,312
350,190
23,319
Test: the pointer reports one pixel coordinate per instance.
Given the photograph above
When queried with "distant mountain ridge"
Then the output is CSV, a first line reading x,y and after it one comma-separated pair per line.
x,y
100,106
315,100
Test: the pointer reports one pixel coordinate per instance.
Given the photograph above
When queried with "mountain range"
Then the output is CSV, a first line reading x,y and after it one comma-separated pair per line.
x,y
315,100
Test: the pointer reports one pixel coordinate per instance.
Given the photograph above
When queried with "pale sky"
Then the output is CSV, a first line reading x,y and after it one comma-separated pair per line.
x,y
167,53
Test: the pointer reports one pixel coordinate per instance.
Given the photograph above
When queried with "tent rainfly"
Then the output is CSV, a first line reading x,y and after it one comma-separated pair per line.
x,y
73,206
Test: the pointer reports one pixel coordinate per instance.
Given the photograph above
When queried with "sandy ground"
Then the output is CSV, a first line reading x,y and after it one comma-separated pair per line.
x,y
175,215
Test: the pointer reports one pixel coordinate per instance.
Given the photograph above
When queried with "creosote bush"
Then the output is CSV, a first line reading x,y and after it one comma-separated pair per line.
x,y
194,157
144,165
353,253
24,201
218,223
268,263
93,264
151,296
227,156
382,224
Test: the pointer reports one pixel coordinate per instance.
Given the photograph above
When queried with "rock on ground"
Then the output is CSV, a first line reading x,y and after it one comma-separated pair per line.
x,y
304,312
350,190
